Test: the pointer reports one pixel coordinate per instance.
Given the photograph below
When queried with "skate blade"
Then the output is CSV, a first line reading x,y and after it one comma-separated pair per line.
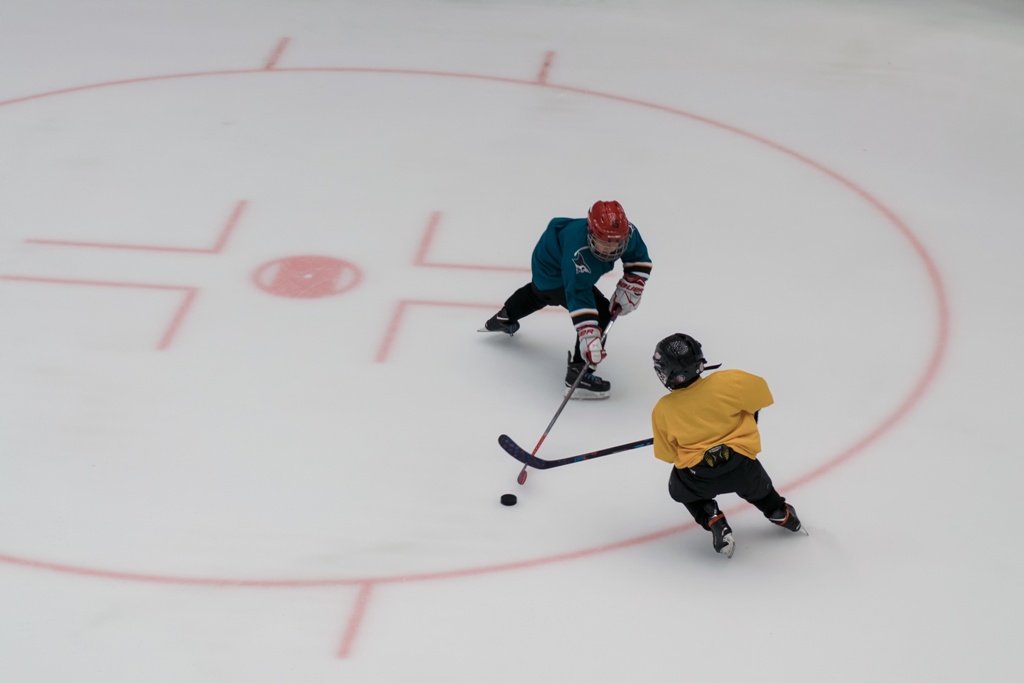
x,y
484,329
587,395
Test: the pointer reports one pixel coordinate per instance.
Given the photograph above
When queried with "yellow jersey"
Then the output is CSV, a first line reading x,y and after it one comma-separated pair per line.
x,y
716,409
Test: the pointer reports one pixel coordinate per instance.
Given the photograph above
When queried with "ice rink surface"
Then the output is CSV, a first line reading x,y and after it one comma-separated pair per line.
x,y
248,429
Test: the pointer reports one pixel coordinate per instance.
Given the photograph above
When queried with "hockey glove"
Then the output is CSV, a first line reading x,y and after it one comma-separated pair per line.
x,y
627,294
590,344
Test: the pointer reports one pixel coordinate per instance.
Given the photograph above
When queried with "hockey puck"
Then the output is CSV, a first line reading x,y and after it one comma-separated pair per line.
x,y
508,499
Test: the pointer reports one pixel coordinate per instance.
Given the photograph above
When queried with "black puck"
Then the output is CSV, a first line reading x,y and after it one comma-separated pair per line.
x,y
508,499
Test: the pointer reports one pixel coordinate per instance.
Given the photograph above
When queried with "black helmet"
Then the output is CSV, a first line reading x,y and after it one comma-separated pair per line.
x,y
678,360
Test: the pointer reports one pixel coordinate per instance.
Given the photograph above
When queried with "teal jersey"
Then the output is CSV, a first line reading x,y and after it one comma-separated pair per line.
x,y
562,260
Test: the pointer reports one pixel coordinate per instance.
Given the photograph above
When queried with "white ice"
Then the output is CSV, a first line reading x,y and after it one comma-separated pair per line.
x,y
204,481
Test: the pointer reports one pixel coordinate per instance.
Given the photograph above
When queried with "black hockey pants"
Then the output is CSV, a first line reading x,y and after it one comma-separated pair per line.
x,y
696,486
528,299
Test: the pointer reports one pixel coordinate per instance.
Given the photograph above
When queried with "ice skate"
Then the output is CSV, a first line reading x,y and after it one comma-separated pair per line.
x,y
590,387
721,532
500,322
787,519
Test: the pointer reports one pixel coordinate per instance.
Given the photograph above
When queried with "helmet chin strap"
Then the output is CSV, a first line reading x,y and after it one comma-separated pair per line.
x,y
712,367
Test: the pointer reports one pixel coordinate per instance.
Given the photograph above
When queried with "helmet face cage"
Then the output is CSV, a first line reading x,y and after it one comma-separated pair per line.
x,y
608,230
606,250
678,360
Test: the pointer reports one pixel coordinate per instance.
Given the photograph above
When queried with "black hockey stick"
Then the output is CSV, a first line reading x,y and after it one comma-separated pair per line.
x,y
521,479
530,460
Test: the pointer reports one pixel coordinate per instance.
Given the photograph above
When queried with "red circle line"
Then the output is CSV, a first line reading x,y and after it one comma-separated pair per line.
x,y
918,390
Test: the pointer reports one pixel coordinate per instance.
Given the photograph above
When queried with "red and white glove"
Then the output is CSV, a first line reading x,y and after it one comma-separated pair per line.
x,y
627,294
590,344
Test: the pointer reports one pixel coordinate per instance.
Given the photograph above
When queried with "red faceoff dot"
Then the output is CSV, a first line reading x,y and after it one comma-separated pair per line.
x,y
307,277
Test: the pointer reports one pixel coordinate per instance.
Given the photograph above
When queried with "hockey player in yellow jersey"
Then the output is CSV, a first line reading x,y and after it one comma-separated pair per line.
x,y
707,428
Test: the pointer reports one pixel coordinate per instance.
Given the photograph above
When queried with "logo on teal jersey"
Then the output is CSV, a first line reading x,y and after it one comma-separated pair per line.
x,y
581,265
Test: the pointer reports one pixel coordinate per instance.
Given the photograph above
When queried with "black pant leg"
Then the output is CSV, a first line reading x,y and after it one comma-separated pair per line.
x,y
700,515
547,297
524,301
529,299
756,488
693,494
743,476
686,487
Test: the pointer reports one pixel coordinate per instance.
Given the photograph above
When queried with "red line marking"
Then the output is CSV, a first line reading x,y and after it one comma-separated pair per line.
x,y
399,312
389,334
229,227
275,56
218,246
335,582
174,580
95,283
172,329
356,620
425,243
545,69
242,72
99,245
428,238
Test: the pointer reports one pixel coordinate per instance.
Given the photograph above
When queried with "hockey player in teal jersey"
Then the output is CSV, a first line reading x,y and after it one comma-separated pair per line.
x,y
570,257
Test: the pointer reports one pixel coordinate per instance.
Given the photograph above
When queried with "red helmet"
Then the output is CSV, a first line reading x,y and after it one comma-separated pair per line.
x,y
607,230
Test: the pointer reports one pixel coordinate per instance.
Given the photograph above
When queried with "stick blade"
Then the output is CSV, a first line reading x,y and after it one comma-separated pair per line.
x,y
520,454
513,449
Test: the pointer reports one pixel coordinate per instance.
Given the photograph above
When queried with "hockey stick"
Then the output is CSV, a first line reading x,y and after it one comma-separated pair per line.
x,y
528,459
521,479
